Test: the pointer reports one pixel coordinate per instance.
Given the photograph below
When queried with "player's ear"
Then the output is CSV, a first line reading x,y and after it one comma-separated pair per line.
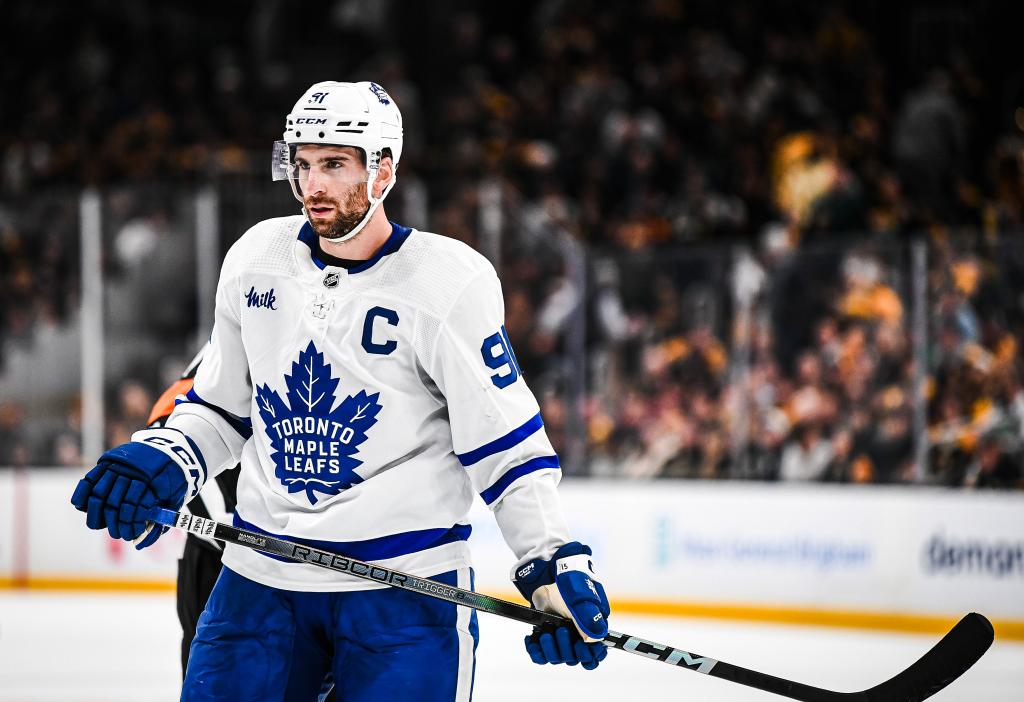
x,y
385,173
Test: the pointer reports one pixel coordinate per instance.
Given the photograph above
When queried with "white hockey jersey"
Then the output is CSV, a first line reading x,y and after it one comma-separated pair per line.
x,y
368,406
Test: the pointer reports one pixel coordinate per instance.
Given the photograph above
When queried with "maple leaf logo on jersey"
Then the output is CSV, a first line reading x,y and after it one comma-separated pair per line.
x,y
313,442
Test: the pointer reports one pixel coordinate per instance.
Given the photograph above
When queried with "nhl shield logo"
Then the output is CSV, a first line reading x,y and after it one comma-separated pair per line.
x,y
313,442
331,279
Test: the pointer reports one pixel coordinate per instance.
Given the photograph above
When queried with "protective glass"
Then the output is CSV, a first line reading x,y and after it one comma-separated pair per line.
x,y
326,166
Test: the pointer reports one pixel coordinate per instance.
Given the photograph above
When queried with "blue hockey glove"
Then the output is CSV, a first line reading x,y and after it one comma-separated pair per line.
x,y
159,468
566,585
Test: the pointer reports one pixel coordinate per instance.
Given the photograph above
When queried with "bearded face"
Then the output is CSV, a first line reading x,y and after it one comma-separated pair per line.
x,y
334,218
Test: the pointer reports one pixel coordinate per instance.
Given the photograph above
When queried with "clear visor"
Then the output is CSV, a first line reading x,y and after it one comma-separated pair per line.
x,y
326,165
280,160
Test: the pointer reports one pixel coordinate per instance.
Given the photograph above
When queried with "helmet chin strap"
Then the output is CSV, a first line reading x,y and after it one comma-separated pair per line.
x,y
374,202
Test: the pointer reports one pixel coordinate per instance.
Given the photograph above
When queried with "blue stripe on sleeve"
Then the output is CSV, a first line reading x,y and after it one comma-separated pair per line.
x,y
381,548
516,436
241,425
511,475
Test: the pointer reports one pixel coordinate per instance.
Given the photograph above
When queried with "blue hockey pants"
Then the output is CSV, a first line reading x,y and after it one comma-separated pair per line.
x,y
260,644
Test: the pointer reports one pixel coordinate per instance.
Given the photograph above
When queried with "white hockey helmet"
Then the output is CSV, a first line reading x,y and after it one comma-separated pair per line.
x,y
361,115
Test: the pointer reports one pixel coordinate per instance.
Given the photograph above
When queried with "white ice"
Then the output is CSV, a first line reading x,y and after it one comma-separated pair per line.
x,y
124,648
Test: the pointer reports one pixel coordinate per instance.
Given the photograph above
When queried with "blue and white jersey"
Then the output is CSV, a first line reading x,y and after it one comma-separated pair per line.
x,y
369,406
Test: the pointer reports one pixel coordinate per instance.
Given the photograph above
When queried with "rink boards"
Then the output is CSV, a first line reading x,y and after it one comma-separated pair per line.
x,y
880,557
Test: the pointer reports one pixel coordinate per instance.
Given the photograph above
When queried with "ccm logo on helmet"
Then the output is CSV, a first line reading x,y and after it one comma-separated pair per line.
x,y
311,120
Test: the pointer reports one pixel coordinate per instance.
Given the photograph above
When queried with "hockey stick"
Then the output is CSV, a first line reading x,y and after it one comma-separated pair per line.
x,y
950,658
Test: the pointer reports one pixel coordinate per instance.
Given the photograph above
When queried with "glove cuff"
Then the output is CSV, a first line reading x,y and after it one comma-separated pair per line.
x,y
540,572
573,548
531,576
187,473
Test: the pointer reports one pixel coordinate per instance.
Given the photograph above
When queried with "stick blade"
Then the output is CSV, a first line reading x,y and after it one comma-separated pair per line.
x,y
950,658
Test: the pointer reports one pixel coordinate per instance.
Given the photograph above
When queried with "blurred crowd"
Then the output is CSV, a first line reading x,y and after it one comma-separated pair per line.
x,y
749,182
784,376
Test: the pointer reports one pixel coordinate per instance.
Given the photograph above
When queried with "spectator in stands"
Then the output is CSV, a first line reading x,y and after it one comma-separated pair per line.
x,y
995,465
807,455
14,447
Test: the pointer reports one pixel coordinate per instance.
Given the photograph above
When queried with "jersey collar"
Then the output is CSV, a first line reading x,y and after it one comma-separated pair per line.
x,y
394,242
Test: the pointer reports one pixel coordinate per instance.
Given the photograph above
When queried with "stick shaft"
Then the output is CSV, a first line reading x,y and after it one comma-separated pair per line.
x,y
350,566
957,651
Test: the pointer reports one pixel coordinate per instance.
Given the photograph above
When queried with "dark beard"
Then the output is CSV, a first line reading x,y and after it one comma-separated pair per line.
x,y
347,217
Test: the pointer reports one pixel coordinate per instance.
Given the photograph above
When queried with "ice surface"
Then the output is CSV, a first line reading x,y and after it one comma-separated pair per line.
x,y
124,648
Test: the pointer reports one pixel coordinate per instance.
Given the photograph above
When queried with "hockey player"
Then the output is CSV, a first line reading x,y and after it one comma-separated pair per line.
x,y
361,373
